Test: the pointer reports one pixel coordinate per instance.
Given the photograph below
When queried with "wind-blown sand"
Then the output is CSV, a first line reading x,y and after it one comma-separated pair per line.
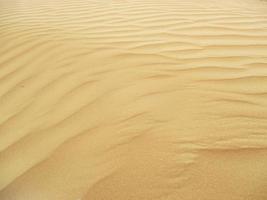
x,y
133,100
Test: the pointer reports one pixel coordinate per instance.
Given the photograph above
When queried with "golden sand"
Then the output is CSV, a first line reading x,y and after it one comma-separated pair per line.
x,y
133,100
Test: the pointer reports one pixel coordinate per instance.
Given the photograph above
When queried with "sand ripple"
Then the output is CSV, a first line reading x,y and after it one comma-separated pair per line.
x,y
133,100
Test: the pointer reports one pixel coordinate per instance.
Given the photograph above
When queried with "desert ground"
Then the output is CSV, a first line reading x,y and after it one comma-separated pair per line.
x,y
133,100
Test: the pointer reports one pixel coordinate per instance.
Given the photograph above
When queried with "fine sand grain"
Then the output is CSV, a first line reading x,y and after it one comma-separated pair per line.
x,y
133,100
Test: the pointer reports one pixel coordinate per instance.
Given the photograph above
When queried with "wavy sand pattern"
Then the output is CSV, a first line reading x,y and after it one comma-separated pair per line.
x,y
133,100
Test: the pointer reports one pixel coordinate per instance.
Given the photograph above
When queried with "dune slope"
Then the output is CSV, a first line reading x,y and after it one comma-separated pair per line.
x,y
133,100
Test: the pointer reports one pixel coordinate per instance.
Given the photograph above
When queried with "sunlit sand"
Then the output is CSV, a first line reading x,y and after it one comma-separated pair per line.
x,y
133,100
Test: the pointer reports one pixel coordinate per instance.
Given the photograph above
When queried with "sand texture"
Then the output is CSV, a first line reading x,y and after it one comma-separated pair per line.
x,y
133,100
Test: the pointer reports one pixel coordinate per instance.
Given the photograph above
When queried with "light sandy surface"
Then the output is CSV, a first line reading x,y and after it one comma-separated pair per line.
x,y
133,100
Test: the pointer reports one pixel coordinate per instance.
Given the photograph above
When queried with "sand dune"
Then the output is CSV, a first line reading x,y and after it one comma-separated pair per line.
x,y
133,100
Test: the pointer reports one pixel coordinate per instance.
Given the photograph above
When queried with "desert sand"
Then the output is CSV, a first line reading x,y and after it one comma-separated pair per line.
x,y
133,100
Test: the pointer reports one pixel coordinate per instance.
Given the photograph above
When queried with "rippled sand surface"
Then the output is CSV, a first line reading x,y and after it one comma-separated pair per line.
x,y
133,100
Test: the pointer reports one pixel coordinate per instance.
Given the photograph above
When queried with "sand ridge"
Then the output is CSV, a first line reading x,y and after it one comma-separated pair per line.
x,y
133,100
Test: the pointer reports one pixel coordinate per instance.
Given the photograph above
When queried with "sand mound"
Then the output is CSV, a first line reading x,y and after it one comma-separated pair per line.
x,y
133,100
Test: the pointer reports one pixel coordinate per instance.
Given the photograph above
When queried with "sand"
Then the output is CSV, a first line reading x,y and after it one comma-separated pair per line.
x,y
133,100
